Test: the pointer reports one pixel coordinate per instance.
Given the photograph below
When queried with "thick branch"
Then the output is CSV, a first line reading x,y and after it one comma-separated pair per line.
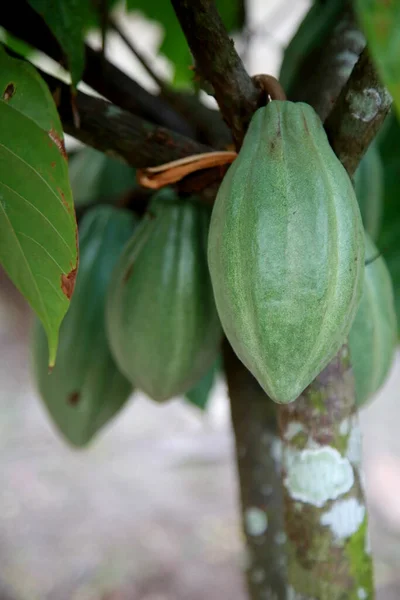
x,y
218,62
104,77
358,113
119,133
258,462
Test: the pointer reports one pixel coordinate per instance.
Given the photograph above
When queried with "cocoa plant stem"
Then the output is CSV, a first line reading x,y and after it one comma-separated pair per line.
x,y
218,63
358,113
258,463
326,519
118,133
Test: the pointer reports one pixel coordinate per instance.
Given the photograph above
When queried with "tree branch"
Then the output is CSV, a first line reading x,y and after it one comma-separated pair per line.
x,y
104,77
117,132
358,113
140,57
219,63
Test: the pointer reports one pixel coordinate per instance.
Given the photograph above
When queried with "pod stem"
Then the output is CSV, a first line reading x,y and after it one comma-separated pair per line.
x,y
258,464
325,515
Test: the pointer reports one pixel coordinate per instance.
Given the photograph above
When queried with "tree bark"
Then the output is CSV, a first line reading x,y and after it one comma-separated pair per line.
x,y
325,513
258,460
219,63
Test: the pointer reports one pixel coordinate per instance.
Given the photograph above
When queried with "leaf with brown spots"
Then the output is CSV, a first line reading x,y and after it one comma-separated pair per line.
x,y
38,246
23,88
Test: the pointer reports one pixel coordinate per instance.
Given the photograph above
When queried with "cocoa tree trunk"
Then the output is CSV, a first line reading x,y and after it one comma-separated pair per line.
x,y
258,455
325,514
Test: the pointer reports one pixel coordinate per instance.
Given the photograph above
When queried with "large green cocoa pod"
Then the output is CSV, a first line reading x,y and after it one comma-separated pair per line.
x,y
373,335
85,389
316,25
286,250
368,182
162,322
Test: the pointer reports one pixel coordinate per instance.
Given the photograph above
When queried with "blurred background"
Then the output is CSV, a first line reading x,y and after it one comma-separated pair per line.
x,y
149,511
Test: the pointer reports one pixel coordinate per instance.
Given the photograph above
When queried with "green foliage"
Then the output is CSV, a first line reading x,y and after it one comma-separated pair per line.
x,y
37,220
286,250
373,335
380,21
162,322
16,44
389,238
369,183
96,177
68,20
174,45
317,23
85,389
199,394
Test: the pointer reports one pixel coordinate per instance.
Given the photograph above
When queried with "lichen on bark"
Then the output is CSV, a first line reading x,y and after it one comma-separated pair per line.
x,y
325,514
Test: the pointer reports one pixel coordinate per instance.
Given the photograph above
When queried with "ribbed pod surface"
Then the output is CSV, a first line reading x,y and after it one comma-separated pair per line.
x,y
286,250
162,321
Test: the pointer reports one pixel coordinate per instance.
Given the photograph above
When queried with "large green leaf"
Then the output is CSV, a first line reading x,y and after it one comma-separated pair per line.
x,y
37,219
68,20
96,177
380,20
174,45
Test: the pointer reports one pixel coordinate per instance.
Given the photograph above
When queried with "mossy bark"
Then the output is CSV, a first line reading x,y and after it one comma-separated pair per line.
x,y
258,462
325,514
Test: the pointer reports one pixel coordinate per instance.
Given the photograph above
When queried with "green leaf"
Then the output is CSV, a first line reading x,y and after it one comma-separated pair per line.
x,y
96,177
380,21
20,47
68,20
200,393
37,220
174,45
389,239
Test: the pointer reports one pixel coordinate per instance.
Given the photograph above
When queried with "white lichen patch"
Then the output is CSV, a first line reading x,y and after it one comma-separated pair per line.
x,y
344,518
256,521
354,443
280,538
354,35
364,105
362,594
293,429
317,475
